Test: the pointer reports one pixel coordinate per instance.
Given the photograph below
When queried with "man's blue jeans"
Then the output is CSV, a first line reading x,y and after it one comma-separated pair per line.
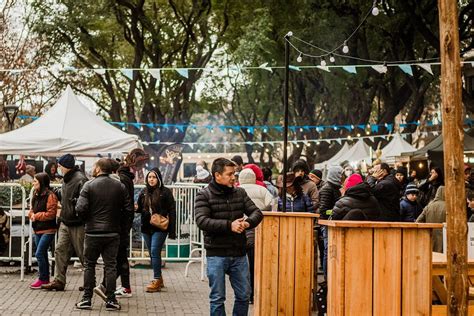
x,y
154,243
238,270
43,241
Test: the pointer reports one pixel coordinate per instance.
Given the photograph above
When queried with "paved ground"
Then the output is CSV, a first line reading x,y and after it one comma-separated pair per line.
x,y
182,295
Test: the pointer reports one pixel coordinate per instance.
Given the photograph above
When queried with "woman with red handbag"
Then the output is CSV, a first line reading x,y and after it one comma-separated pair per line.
x,y
158,211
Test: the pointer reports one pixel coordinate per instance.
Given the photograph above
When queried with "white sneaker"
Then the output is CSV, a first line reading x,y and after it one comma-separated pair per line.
x,y
123,292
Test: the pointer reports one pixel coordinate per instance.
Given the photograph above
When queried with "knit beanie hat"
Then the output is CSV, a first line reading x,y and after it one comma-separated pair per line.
x,y
67,161
201,173
353,180
318,173
411,188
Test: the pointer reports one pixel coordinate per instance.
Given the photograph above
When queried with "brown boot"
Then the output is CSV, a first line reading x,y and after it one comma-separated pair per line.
x,y
155,286
54,286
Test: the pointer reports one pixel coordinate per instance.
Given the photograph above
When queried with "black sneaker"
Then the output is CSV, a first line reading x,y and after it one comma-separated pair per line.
x,y
112,305
84,304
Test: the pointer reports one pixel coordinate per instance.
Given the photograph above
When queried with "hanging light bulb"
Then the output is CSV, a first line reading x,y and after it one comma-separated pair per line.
x,y
158,130
332,58
345,48
141,128
375,9
300,58
123,128
176,130
323,62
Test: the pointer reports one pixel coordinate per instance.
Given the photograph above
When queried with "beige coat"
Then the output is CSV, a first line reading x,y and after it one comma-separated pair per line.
x,y
435,212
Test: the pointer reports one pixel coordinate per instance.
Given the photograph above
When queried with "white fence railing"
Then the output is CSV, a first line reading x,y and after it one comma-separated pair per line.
x,y
15,211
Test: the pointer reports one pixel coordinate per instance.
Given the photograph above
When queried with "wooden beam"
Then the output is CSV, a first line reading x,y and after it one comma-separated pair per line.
x,y
453,138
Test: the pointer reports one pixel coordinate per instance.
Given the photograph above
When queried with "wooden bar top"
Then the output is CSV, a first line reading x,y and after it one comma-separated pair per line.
x,y
366,224
291,214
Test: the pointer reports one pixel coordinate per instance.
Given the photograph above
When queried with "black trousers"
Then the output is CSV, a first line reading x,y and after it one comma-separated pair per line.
x,y
123,267
107,247
251,257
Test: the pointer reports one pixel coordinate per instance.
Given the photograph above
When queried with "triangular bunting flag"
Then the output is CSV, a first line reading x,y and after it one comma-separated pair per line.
x,y
435,133
183,72
264,66
127,73
380,68
371,139
191,145
426,67
295,68
70,68
155,73
325,68
100,71
350,69
339,141
406,69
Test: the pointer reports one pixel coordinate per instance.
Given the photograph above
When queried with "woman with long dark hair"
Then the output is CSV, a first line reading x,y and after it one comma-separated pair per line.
x,y
155,198
52,170
44,206
296,200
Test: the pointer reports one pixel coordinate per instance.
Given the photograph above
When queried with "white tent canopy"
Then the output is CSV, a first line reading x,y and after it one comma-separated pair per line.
x,y
68,127
360,151
334,160
396,147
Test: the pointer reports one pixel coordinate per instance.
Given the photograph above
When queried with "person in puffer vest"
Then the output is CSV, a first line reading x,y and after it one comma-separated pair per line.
x,y
44,206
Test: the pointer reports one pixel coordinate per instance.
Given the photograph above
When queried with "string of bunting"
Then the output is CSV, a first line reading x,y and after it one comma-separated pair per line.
x,y
381,67
374,128
299,142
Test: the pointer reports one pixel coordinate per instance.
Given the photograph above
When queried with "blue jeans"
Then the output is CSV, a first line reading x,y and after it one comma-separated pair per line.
x,y
154,243
43,241
324,231
238,270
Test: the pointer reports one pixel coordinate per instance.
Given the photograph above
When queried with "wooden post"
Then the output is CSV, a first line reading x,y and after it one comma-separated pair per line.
x,y
453,138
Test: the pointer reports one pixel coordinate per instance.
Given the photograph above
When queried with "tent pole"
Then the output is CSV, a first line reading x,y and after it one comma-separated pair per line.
x,y
285,122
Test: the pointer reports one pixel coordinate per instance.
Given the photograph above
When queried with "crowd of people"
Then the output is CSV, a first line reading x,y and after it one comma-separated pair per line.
x,y
93,217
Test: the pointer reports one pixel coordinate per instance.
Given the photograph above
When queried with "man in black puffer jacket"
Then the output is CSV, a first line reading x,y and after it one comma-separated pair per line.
x,y
102,204
357,197
220,210
71,228
387,191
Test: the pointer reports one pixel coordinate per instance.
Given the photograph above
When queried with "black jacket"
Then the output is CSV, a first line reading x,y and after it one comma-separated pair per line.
x,y
387,192
328,196
72,185
428,191
358,197
102,204
126,177
215,211
166,206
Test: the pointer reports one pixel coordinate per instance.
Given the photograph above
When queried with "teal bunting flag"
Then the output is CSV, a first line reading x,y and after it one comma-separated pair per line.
x,y
350,69
183,72
406,69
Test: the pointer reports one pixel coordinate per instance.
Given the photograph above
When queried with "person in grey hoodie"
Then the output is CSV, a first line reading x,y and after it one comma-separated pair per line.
x,y
328,196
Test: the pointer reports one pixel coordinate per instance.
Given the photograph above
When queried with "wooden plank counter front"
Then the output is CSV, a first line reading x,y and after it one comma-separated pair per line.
x,y
284,264
379,268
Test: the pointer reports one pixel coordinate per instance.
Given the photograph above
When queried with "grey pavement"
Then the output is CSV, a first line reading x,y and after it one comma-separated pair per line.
x,y
181,296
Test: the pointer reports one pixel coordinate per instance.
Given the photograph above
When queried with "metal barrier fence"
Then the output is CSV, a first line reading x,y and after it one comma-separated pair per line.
x,y
14,211
188,242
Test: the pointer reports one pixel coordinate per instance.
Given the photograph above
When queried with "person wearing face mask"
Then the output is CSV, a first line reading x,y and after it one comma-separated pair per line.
x,y
155,198
71,228
387,191
202,174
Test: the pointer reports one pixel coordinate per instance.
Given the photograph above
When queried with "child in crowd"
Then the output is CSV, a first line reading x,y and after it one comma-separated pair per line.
x,y
410,207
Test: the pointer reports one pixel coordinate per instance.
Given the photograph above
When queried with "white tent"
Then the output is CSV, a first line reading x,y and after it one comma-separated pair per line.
x,y
395,148
360,151
68,127
334,160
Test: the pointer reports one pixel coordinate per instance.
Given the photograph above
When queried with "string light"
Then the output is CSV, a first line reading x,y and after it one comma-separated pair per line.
x,y
299,58
375,9
152,157
158,130
141,128
323,62
176,130
345,48
123,128
332,58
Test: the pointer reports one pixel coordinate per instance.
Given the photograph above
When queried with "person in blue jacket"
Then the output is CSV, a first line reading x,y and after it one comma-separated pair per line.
x,y
296,199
